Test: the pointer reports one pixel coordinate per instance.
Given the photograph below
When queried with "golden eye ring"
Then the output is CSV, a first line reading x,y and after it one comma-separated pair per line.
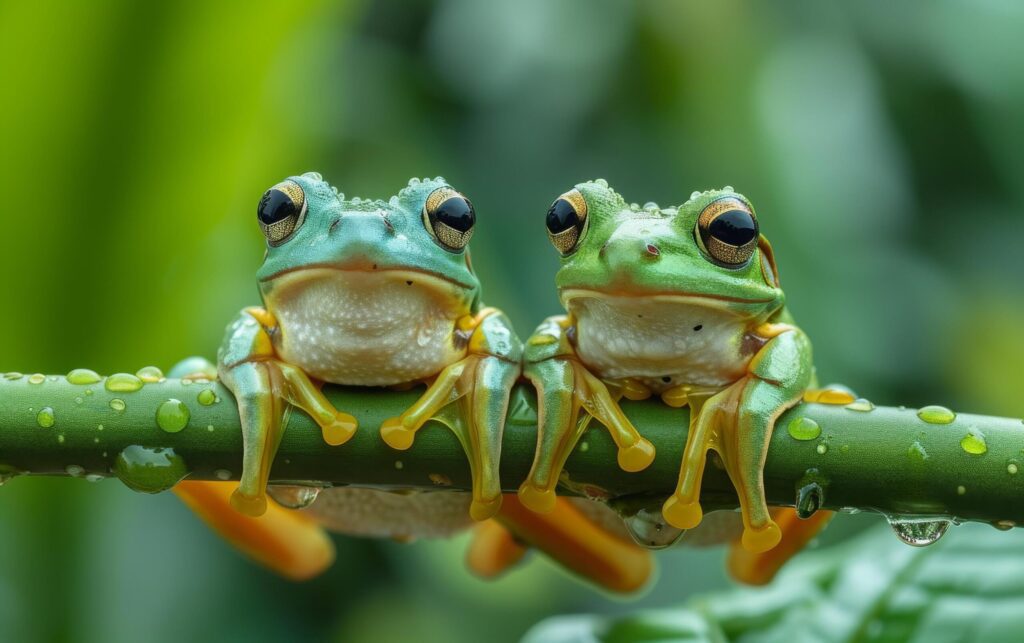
x,y
566,221
449,217
727,231
281,211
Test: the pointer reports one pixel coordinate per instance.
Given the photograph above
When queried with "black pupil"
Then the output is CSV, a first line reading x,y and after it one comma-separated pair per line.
x,y
734,227
275,206
456,213
561,216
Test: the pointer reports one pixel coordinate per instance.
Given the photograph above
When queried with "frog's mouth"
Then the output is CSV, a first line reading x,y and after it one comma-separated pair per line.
x,y
737,305
417,274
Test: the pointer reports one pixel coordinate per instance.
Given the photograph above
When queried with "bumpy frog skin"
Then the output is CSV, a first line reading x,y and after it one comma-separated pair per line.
x,y
683,303
369,293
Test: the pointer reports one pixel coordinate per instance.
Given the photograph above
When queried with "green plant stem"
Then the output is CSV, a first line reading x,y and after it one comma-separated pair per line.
x,y
887,460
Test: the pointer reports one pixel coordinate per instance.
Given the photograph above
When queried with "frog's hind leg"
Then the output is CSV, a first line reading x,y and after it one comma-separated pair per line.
x,y
569,537
564,389
285,540
479,385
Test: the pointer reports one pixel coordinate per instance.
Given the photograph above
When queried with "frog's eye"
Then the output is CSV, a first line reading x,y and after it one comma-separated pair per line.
x,y
449,217
566,220
281,211
727,231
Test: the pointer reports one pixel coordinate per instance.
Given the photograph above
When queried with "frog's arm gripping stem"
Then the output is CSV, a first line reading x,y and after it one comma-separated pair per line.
x,y
564,388
737,422
479,386
248,365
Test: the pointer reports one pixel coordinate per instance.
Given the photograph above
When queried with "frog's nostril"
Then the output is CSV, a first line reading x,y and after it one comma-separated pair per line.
x,y
334,225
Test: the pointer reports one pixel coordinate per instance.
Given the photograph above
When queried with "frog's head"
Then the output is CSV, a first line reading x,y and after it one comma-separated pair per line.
x,y
418,237
707,252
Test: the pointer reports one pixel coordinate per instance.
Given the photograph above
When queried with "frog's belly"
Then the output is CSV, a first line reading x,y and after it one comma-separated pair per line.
x,y
661,342
366,330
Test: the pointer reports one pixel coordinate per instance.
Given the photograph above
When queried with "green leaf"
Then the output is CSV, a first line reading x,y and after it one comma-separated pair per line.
x,y
969,586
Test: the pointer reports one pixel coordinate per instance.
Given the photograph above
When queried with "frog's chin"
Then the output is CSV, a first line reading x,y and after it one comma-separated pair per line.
x,y
738,306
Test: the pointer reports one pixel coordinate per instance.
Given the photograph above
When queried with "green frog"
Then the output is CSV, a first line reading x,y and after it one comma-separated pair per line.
x,y
683,303
369,293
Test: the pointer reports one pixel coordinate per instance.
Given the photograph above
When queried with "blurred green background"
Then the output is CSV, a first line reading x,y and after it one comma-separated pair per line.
x,y
880,142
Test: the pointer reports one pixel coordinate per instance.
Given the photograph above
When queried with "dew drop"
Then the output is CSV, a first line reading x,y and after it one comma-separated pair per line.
x,y
1012,468
399,464
123,383
961,490
45,417
150,374
936,415
822,448
919,532
149,470
60,439
974,442
649,529
36,378
118,405
79,400
809,499
803,428
74,470
206,397
94,477
917,452
172,415
83,376
13,375
862,405
293,496
222,474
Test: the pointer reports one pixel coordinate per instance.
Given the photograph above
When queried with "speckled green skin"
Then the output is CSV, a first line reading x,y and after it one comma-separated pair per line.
x,y
357,239
769,360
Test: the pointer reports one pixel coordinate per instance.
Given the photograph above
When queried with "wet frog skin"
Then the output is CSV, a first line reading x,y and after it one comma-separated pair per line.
x,y
683,303
369,293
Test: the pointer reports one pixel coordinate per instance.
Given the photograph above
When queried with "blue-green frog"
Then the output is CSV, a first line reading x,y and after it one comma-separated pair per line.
x,y
369,293
683,303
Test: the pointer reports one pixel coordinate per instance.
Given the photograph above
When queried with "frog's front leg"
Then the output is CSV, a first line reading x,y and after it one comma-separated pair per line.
x,y
480,385
737,423
261,384
564,388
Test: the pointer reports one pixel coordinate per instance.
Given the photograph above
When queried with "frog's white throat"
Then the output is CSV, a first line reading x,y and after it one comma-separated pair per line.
x,y
661,340
367,328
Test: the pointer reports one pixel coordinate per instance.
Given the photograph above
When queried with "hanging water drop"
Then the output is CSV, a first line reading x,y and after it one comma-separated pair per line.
x,y
649,529
918,532
809,499
293,496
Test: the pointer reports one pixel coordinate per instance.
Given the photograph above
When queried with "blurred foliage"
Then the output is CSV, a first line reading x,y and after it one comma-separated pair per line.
x,y
880,143
967,587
